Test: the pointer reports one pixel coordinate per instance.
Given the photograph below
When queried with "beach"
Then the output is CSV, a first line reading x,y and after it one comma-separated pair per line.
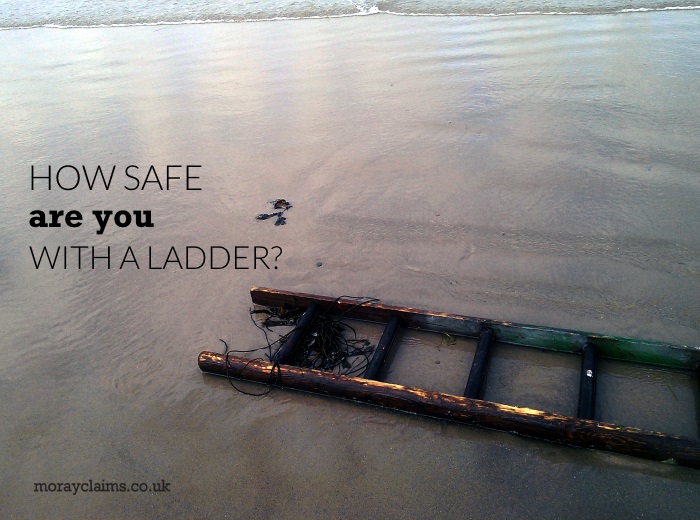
x,y
535,169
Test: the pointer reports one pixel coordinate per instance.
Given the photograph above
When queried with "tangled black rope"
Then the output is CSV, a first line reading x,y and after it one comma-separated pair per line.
x,y
271,383
326,346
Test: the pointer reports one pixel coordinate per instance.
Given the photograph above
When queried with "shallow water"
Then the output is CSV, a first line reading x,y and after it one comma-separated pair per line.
x,y
535,169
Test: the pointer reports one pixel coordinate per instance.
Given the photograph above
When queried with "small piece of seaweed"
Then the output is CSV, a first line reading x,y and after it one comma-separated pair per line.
x,y
265,216
282,204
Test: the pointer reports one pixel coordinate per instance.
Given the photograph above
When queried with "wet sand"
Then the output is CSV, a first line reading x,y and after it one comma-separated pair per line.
x,y
535,169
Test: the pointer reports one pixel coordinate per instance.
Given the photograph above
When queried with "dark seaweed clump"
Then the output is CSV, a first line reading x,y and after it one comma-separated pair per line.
x,y
280,204
330,344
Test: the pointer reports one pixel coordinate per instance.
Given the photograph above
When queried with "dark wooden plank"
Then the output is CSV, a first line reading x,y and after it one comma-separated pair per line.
x,y
287,349
480,363
524,421
587,387
375,364
561,340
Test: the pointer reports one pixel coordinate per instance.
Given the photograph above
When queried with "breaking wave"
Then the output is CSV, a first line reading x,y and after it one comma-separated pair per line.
x,y
68,14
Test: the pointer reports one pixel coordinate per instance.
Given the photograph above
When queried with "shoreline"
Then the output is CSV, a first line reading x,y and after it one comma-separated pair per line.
x,y
371,12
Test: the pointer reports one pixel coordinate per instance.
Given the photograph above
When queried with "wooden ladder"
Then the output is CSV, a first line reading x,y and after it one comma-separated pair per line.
x,y
581,431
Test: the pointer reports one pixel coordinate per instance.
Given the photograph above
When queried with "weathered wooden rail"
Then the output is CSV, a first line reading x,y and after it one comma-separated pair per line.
x,y
581,431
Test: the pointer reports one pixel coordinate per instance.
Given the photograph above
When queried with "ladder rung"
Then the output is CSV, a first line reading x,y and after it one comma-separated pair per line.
x,y
372,370
477,374
589,376
288,347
